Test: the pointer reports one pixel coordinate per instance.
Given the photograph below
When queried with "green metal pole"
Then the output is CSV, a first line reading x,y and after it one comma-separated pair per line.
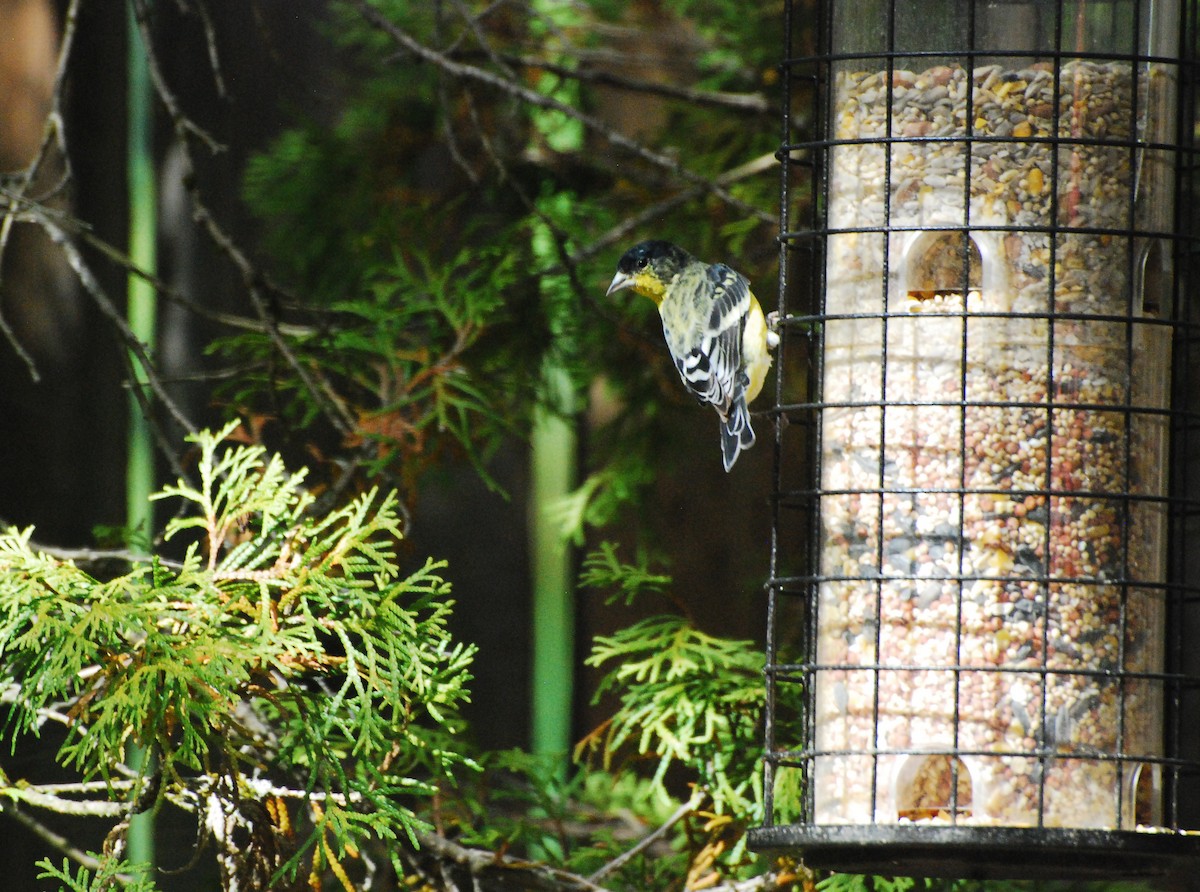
x,y
142,312
554,449
553,471
141,307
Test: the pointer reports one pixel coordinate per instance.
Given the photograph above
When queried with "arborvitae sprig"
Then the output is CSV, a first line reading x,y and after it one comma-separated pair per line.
x,y
285,664
687,698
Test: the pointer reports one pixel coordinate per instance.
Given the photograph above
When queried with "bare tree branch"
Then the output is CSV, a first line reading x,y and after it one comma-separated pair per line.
x,y
754,103
184,126
649,839
622,230
52,136
48,220
210,41
481,38
92,286
55,840
30,794
487,869
541,100
5,328
87,556
53,133
252,279
174,295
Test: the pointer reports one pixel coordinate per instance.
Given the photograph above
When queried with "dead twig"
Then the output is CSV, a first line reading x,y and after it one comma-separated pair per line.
x,y
541,100
648,840
252,279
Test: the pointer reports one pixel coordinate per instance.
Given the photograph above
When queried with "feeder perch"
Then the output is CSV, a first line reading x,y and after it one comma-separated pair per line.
x,y
991,655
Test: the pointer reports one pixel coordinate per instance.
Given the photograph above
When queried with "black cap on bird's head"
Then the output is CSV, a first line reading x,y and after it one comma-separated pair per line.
x,y
648,266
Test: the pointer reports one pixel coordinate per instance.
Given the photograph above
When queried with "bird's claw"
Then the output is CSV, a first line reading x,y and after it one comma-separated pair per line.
x,y
773,323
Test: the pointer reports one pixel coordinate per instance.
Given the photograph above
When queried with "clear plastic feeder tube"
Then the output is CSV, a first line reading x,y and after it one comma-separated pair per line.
x,y
995,379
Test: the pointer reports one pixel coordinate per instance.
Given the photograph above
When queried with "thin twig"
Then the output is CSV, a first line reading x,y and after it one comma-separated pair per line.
x,y
6,329
648,840
618,233
540,100
53,132
52,135
87,556
56,840
481,38
312,379
210,40
81,788
184,125
480,863
176,296
754,103
85,808
447,117
92,286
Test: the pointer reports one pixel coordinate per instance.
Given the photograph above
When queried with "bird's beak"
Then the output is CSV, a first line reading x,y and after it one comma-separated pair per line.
x,y
620,280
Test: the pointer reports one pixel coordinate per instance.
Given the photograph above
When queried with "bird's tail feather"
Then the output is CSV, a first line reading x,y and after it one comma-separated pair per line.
x,y
736,433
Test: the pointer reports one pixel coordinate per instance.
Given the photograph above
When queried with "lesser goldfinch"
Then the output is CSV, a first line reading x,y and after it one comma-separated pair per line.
x,y
715,331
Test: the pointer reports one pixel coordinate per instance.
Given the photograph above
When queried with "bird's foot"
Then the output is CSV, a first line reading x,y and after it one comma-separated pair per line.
x,y
773,323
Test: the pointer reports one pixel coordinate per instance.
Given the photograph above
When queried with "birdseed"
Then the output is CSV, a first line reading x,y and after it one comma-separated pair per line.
x,y
992,468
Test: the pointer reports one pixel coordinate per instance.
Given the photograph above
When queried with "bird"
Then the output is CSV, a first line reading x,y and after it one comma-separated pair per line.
x,y
715,330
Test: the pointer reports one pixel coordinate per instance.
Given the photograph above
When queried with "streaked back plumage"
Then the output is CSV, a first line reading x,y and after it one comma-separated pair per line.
x,y
705,311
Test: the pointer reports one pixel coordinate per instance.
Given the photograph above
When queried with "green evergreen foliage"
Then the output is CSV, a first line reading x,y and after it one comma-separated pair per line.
x,y
287,657
603,569
577,822
109,874
845,882
428,256
690,703
444,242
690,698
286,675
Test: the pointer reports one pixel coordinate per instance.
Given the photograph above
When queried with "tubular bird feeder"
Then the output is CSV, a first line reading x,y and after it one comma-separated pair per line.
x,y
996,654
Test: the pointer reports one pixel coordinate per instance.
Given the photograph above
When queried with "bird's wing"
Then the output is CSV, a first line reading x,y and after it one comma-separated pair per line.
x,y
712,368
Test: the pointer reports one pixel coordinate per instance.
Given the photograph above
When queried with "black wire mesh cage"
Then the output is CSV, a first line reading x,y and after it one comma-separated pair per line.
x,y
983,604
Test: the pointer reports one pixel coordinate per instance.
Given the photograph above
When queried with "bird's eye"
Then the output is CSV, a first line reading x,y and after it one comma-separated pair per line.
x,y
643,262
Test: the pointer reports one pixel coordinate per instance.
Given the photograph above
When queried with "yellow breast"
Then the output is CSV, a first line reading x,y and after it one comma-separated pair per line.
x,y
756,354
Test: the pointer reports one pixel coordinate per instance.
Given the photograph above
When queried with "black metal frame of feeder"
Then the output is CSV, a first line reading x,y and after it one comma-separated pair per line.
x,y
951,847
